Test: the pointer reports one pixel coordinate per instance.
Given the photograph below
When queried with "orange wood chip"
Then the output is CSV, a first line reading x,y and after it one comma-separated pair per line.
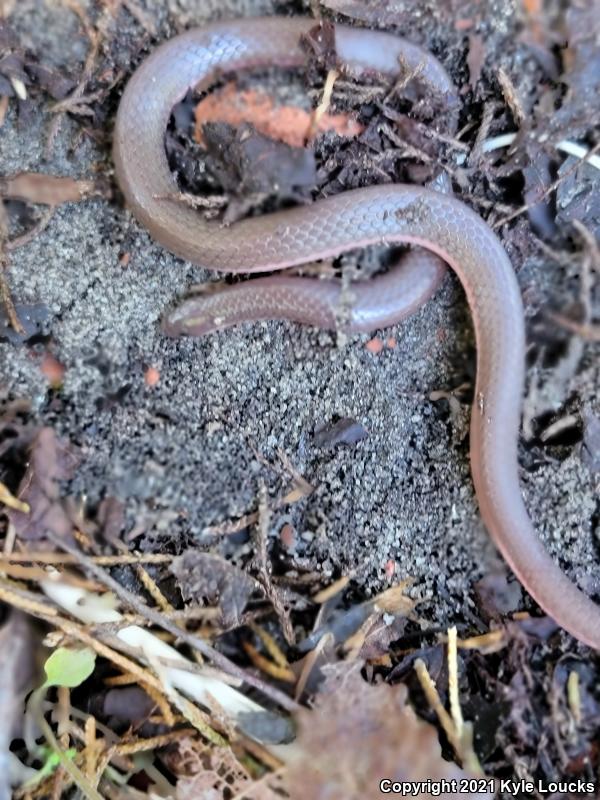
x,y
286,123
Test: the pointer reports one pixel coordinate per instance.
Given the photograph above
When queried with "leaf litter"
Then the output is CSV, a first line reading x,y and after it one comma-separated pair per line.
x,y
538,696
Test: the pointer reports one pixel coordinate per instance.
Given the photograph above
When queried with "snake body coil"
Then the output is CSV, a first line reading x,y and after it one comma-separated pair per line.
x,y
391,214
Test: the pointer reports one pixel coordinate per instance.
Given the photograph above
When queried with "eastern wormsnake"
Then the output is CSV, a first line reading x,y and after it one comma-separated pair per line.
x,y
390,214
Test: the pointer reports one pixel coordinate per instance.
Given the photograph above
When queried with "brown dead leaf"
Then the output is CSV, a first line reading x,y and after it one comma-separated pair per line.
x,y
51,190
209,773
497,596
475,58
207,578
372,640
357,735
50,461
320,42
394,600
50,80
111,520
251,167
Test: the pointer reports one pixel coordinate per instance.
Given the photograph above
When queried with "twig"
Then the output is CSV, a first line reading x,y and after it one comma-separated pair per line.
x,y
460,739
591,333
50,615
153,589
9,541
77,94
310,661
406,75
27,602
303,489
264,566
140,16
25,238
486,120
590,263
574,695
323,106
230,527
330,591
270,645
198,718
106,561
426,130
511,96
267,666
455,708
19,572
433,698
8,499
159,619
5,295
212,201
549,189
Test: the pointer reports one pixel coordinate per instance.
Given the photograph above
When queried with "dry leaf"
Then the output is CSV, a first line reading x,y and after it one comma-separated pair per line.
x,y
207,578
475,58
358,735
51,190
50,461
209,773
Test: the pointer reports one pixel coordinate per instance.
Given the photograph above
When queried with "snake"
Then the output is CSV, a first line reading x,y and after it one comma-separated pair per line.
x,y
440,228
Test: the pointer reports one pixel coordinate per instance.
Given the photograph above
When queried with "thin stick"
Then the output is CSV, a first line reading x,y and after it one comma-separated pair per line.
x,y
549,189
455,708
433,698
105,561
159,619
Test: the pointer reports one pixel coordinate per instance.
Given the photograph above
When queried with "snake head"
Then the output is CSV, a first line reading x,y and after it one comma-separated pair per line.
x,y
192,317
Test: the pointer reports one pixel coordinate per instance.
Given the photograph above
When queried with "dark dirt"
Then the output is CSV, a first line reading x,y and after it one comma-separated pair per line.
x,y
192,451
182,454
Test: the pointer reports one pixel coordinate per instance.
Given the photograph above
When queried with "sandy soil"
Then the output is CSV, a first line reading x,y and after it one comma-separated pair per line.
x,y
192,451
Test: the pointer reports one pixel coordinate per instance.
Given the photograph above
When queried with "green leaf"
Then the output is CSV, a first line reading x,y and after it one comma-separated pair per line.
x,y
69,668
51,763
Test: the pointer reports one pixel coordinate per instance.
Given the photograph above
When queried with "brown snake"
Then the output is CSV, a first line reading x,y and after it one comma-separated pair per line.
x,y
389,214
